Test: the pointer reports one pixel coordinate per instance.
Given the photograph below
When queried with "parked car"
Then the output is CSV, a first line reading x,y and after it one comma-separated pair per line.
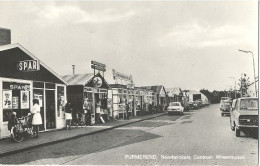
x,y
191,105
225,107
222,100
244,114
175,107
199,103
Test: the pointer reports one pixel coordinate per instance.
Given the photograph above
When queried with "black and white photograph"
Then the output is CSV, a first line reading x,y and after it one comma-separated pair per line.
x,y
119,82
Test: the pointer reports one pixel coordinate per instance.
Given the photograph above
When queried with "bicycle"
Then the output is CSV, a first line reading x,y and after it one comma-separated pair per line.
x,y
22,129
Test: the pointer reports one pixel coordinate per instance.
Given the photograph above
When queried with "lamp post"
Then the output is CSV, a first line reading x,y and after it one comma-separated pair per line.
x,y
235,87
253,66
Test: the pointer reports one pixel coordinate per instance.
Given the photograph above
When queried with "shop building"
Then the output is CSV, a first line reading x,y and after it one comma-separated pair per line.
x,y
160,95
93,87
24,77
174,94
121,92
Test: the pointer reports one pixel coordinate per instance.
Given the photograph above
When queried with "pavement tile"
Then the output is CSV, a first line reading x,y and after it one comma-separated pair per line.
x,y
48,137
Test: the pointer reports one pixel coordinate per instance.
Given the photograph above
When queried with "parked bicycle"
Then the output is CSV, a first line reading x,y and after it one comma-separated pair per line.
x,y
21,128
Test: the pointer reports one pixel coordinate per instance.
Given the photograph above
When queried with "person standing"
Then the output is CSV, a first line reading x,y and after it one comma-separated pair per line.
x,y
127,109
68,115
98,105
87,108
37,119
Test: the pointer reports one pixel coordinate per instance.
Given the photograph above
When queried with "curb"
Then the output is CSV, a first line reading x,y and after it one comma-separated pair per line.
x,y
73,137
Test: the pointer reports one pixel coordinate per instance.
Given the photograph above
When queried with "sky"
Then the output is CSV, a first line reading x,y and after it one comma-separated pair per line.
x,y
187,44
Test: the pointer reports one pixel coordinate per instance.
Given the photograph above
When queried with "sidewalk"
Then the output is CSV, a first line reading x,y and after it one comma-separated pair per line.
x,y
7,146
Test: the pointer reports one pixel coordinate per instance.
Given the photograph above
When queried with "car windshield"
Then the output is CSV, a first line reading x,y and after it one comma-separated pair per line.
x,y
174,104
249,104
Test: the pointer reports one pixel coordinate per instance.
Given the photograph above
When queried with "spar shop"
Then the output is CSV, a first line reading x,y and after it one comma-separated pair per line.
x,y
24,77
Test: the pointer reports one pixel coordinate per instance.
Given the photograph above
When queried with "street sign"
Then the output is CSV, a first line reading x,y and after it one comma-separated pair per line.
x,y
98,68
98,64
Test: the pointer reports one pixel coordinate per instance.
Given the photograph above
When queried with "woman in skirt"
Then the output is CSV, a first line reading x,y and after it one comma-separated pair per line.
x,y
37,118
68,114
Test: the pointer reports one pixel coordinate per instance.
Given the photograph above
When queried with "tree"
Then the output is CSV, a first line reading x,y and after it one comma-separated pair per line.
x,y
244,83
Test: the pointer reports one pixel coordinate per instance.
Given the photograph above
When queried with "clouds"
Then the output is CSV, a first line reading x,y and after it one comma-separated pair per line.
x,y
73,14
197,34
175,43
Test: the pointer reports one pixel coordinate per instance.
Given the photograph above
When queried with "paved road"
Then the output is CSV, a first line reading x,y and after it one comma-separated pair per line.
x,y
197,138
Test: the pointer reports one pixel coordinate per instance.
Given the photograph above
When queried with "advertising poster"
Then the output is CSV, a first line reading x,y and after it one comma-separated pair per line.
x,y
7,99
15,102
24,99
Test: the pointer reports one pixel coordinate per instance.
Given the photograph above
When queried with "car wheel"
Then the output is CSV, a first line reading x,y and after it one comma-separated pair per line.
x,y
237,132
222,114
231,126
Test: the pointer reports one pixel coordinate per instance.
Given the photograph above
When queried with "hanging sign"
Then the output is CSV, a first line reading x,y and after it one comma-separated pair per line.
x,y
98,66
24,99
29,65
7,99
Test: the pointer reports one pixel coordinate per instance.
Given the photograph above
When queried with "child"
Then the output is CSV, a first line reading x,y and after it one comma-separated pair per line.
x,y
12,122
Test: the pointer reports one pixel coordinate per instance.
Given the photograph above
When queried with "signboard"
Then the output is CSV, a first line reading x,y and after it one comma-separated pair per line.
x,y
7,99
98,66
16,86
97,82
15,101
24,99
86,89
29,65
121,76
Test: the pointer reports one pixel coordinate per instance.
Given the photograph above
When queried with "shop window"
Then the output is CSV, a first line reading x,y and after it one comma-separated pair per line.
x,y
15,101
38,85
103,99
88,95
61,100
49,86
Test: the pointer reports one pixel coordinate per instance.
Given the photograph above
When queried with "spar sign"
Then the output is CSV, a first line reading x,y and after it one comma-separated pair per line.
x,y
29,65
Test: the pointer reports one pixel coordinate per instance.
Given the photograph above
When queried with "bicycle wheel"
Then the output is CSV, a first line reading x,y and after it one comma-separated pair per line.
x,y
17,136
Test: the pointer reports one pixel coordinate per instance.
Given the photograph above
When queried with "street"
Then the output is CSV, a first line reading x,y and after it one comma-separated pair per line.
x,y
199,137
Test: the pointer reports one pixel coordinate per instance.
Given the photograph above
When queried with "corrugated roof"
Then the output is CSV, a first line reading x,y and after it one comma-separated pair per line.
x,y
173,91
78,79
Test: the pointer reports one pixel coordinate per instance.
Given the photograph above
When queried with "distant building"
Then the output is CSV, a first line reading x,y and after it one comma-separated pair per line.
x,y
174,94
194,95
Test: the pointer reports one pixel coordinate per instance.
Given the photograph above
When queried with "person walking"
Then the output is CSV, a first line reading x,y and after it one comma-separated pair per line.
x,y
68,115
37,118
87,108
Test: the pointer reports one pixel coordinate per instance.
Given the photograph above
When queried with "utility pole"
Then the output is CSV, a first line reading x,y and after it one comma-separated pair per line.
x,y
235,87
73,69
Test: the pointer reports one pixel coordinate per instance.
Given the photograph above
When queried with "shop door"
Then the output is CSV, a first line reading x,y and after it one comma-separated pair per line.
x,y
38,94
50,109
